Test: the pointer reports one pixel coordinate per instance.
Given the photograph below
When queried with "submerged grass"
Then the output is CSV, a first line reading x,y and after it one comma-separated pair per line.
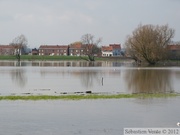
x,y
86,96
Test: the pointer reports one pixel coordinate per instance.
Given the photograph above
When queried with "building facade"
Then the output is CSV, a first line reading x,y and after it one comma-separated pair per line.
x,y
77,49
107,51
7,50
111,50
174,51
35,51
53,50
116,49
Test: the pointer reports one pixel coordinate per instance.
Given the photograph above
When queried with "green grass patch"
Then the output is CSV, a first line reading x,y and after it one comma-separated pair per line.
x,y
5,57
37,57
85,96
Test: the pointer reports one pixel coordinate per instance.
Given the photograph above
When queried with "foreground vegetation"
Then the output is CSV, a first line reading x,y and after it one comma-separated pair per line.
x,y
85,96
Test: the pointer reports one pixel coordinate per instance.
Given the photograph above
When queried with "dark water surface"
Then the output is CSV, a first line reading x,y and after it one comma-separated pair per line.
x,y
67,77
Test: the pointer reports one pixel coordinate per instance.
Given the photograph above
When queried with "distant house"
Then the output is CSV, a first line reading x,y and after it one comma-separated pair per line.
x,y
111,50
77,49
174,48
174,51
53,50
7,50
107,51
116,49
35,51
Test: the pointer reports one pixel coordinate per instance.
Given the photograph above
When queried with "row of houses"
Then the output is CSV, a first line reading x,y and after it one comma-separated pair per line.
x,y
76,50
79,49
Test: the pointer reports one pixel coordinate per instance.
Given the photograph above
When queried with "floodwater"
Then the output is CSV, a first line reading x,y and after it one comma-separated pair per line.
x,y
72,77
86,117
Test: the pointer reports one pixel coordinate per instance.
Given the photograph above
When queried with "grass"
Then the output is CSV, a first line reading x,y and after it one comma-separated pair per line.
x,y
86,96
37,57
4,57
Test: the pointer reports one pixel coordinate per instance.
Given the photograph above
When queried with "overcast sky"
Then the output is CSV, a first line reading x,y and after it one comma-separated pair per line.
x,y
61,22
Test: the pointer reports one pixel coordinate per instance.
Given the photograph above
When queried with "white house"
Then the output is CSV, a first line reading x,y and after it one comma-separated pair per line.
x,y
107,51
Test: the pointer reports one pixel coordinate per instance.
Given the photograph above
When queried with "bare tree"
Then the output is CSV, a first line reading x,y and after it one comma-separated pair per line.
x,y
20,45
149,43
91,46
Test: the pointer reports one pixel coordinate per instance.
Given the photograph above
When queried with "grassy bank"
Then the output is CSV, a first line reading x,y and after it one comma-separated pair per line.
x,y
87,96
37,57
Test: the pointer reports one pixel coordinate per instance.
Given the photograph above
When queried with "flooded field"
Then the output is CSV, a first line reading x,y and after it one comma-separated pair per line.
x,y
99,77
86,117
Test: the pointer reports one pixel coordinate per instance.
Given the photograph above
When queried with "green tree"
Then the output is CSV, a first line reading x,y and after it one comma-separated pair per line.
x,y
149,43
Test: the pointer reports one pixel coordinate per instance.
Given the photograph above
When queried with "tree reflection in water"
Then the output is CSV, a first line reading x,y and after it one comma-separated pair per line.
x,y
18,77
88,77
148,81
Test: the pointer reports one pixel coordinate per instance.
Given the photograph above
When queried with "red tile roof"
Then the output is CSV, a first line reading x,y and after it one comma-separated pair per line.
x,y
173,47
115,46
76,45
53,47
6,46
107,48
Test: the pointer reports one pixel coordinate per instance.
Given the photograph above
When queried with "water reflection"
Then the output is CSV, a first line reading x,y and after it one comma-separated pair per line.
x,y
177,74
148,81
18,77
65,63
88,78
7,63
73,64
73,76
